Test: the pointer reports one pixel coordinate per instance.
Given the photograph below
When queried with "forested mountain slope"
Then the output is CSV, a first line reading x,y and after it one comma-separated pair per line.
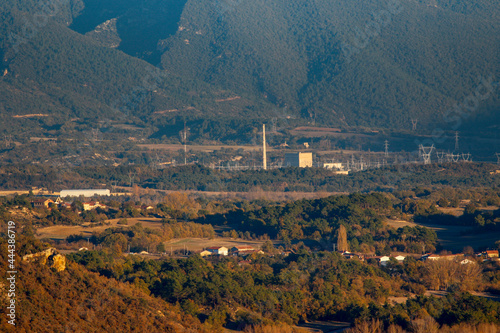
x,y
367,63
55,73
377,63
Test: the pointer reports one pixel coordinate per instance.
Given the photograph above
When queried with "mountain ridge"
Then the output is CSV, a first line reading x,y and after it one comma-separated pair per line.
x,y
420,60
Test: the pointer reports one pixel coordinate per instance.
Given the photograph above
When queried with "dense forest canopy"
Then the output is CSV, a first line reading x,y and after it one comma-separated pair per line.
x,y
285,180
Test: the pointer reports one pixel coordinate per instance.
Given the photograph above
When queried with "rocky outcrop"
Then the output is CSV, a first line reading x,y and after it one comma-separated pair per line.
x,y
49,257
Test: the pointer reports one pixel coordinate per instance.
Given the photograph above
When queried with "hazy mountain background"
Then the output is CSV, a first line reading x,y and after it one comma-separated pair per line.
x,y
367,63
426,56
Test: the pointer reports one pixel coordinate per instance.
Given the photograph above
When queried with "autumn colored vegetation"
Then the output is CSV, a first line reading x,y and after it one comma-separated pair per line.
x,y
301,280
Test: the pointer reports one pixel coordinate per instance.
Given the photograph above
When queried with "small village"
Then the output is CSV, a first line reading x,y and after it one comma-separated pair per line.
x,y
246,250
488,255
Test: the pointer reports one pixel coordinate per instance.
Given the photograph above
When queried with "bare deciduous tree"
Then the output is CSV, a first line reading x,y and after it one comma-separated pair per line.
x,y
425,325
342,239
444,273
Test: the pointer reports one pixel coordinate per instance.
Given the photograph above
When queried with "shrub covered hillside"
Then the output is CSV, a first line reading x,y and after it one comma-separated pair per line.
x,y
76,300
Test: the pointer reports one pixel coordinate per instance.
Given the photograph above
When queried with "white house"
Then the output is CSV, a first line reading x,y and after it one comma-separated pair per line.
x,y
400,258
384,260
205,253
92,205
41,203
220,250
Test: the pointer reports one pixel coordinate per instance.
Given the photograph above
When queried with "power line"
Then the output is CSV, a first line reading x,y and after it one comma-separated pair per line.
x,y
131,176
453,157
414,123
425,153
8,140
440,156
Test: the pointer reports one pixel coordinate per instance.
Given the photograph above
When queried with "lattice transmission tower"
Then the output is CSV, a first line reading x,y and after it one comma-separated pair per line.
x,y
425,153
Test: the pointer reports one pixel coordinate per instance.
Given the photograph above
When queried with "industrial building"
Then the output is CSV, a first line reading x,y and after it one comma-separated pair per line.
x,y
333,166
301,160
337,168
85,193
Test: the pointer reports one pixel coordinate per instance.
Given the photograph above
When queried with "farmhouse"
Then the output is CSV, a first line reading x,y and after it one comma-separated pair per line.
x,y
400,258
383,260
490,254
41,203
242,250
220,250
92,205
205,253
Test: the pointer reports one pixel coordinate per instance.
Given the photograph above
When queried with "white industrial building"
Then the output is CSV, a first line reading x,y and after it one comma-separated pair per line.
x,y
301,160
337,168
333,166
85,193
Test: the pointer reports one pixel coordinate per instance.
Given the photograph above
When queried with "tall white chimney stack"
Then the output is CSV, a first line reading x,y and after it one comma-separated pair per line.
x,y
264,147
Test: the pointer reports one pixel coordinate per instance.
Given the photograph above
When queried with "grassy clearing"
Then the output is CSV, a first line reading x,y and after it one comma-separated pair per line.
x,y
198,244
192,244
62,231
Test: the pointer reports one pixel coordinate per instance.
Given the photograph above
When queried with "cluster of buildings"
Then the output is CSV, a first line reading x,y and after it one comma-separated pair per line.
x,y
486,255
243,250
45,203
382,260
460,257
305,160
490,254
60,203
